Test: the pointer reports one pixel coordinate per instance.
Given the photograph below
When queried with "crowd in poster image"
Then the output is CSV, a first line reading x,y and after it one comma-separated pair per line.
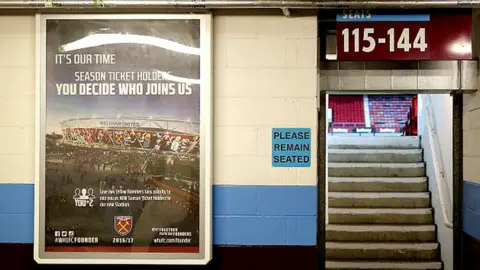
x,y
77,163
159,141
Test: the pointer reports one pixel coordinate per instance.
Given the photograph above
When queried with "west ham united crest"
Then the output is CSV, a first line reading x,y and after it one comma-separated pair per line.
x,y
123,224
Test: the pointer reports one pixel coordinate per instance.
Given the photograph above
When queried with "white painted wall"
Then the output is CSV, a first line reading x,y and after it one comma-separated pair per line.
x,y
471,137
17,98
264,77
440,107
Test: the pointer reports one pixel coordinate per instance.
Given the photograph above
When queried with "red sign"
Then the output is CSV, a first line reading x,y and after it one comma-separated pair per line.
x,y
435,37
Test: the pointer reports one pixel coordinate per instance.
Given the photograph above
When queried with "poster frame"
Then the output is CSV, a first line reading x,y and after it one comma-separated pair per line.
x,y
206,148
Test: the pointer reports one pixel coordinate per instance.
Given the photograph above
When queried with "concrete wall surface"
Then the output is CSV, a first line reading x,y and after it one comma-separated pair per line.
x,y
435,129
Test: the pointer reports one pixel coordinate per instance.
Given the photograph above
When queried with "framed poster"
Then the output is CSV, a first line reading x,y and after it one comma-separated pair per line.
x,y
124,147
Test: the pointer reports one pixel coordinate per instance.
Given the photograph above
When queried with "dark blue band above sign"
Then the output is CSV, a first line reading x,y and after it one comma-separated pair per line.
x,y
291,147
366,15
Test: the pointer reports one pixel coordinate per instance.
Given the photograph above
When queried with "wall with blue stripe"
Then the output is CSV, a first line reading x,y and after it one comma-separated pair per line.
x,y
471,160
242,215
257,87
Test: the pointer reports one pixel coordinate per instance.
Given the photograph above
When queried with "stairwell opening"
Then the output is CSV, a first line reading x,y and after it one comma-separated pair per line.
x,y
388,163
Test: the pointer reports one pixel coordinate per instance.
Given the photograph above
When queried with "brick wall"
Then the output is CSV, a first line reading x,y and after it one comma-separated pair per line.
x,y
471,160
471,133
17,121
17,98
264,77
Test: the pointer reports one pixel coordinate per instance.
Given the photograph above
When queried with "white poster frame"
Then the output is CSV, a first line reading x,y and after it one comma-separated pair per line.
x,y
206,150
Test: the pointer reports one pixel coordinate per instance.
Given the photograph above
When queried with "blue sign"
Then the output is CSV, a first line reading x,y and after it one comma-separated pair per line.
x,y
291,147
365,15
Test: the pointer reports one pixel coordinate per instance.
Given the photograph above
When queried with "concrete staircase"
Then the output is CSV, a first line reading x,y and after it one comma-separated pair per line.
x,y
379,206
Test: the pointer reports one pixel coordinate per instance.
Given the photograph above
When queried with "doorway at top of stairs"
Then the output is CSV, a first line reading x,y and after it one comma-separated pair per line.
x,y
379,209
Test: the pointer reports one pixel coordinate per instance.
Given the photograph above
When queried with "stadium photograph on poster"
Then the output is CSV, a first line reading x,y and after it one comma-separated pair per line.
x,y
123,127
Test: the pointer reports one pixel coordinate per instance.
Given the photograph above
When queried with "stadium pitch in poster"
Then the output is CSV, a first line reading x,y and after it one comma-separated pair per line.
x,y
123,139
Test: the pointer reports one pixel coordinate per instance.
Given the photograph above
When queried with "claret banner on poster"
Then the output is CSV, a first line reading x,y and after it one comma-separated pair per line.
x,y
123,139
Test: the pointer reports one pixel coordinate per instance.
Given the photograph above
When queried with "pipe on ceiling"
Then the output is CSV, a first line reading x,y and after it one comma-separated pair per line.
x,y
238,4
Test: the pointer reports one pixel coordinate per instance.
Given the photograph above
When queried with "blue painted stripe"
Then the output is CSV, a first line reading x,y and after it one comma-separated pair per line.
x,y
384,18
16,198
16,213
264,230
16,228
264,200
471,209
243,215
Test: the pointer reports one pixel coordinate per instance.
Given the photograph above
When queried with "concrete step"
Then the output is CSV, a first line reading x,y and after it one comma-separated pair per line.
x,y
380,216
395,265
377,142
379,184
376,169
381,233
375,155
379,200
385,251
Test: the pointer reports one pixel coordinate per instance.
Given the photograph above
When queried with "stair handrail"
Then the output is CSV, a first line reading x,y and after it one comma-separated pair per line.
x,y
439,171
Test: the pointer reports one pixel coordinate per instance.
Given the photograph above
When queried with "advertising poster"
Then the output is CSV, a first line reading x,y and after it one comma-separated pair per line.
x,y
124,122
